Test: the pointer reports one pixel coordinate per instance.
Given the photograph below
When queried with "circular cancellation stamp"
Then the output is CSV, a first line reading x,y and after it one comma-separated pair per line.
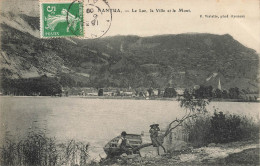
x,y
97,18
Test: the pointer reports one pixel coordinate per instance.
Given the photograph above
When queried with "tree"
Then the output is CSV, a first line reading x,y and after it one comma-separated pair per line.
x,y
192,106
44,86
224,94
169,92
150,91
234,93
100,92
208,91
66,80
218,93
203,92
225,128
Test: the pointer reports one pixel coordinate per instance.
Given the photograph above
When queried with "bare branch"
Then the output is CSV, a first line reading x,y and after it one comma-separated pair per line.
x,y
180,122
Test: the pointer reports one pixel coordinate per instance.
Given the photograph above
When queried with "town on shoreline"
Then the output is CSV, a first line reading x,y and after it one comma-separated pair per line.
x,y
52,86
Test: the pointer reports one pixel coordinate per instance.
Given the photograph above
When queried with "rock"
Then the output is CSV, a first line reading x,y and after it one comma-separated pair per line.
x,y
137,159
115,165
178,146
212,145
175,158
187,157
158,157
123,155
132,156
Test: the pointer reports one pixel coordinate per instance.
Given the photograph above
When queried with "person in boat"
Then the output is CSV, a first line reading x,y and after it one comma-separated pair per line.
x,y
123,144
157,140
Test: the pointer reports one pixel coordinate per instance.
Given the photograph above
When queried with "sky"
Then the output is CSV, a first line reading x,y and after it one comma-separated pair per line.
x,y
245,30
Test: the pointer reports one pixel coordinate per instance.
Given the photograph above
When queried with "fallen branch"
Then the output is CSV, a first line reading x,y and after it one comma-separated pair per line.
x,y
142,146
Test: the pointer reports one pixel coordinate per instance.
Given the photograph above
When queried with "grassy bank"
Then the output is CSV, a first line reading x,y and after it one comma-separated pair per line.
x,y
221,128
246,157
39,150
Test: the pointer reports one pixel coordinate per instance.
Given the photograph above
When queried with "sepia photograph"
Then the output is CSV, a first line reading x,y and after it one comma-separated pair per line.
x,y
138,83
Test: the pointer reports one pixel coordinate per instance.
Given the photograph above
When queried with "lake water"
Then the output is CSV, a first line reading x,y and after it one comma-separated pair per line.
x,y
96,121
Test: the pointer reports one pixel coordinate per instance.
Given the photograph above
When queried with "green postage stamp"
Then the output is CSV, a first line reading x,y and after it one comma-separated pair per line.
x,y
61,19
74,18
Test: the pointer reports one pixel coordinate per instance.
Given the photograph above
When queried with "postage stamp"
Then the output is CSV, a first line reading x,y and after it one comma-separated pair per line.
x,y
75,18
61,19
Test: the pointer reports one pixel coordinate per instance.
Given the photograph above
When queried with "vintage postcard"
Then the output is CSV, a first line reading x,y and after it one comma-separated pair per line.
x,y
140,82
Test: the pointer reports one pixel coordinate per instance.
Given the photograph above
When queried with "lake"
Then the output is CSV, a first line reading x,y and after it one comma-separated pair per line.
x,y
96,120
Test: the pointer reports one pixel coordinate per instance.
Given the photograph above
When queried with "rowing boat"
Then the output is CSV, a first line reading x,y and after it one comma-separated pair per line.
x,y
135,141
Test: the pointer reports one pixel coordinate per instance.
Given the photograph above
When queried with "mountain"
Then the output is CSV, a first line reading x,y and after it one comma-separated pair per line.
x,y
181,60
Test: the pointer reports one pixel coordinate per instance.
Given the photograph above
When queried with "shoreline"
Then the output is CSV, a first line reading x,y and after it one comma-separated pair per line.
x,y
232,153
132,98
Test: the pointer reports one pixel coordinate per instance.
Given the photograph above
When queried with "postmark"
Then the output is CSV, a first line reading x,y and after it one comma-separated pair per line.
x,y
61,19
97,18
75,18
